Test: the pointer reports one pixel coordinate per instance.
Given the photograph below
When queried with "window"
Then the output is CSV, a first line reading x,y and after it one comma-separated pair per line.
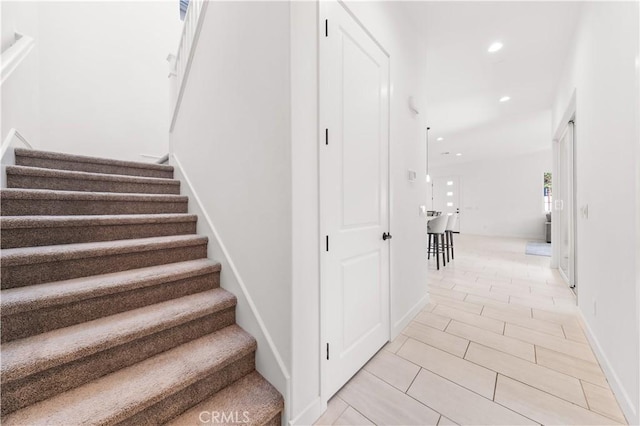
x,y
547,192
184,4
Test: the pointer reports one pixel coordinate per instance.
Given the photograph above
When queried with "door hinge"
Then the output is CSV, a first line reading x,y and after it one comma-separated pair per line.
x,y
327,243
327,351
326,136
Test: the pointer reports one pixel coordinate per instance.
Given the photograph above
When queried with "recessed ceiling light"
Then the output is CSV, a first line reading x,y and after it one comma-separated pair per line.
x,y
440,138
505,98
495,47
459,154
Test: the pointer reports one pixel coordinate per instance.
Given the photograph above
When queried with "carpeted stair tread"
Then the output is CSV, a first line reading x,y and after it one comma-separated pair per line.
x,y
252,395
22,154
20,222
120,395
30,202
42,178
25,299
29,231
48,194
46,254
31,355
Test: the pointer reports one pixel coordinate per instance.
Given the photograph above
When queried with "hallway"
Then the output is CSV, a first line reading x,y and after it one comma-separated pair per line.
x,y
500,342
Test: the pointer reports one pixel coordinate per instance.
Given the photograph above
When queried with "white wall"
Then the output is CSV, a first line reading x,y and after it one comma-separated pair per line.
x,y
603,70
232,138
503,196
102,84
389,24
20,92
305,404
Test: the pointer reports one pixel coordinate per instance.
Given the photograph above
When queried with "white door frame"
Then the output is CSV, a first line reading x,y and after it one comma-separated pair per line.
x,y
324,397
568,119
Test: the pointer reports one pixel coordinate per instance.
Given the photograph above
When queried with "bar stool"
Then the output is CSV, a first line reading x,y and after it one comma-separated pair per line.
x,y
436,229
448,235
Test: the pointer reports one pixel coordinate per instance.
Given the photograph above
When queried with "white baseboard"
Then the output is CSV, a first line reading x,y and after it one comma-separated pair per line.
x,y
407,317
628,406
310,414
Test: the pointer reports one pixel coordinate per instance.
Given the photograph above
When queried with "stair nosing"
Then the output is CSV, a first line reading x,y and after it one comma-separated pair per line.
x,y
51,194
184,365
41,221
33,153
62,252
24,357
57,293
92,176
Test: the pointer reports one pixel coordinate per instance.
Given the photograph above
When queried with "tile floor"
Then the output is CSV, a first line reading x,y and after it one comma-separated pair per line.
x,y
500,343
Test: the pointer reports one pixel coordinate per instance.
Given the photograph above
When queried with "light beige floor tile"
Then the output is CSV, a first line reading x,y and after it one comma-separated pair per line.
x,y
492,277
459,404
443,284
391,368
335,407
396,343
565,302
574,332
529,282
523,321
464,373
451,294
432,320
522,310
458,304
384,404
578,368
543,378
543,407
490,324
510,292
483,293
532,303
471,284
429,307
493,340
602,401
446,422
351,417
558,344
552,290
555,317
439,339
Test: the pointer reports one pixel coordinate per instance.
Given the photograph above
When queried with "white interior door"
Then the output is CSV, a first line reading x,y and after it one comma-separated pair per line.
x,y
446,197
354,195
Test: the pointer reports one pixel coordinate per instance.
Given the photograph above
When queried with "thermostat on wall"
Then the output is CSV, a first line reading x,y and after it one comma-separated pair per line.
x,y
412,175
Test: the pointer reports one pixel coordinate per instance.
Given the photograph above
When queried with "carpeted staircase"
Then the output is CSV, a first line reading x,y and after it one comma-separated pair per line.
x,y
111,311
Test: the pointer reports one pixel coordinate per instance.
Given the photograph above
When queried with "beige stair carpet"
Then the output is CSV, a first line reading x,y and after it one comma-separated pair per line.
x,y
111,311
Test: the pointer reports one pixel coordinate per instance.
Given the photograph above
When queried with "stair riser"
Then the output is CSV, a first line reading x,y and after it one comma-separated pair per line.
x,y
23,207
48,236
36,273
38,321
60,164
43,385
177,403
86,185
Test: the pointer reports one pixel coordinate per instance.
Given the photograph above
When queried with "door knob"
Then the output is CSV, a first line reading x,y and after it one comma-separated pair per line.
x,y
386,236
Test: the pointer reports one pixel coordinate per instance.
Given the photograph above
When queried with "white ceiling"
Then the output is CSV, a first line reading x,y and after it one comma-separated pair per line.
x,y
465,81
